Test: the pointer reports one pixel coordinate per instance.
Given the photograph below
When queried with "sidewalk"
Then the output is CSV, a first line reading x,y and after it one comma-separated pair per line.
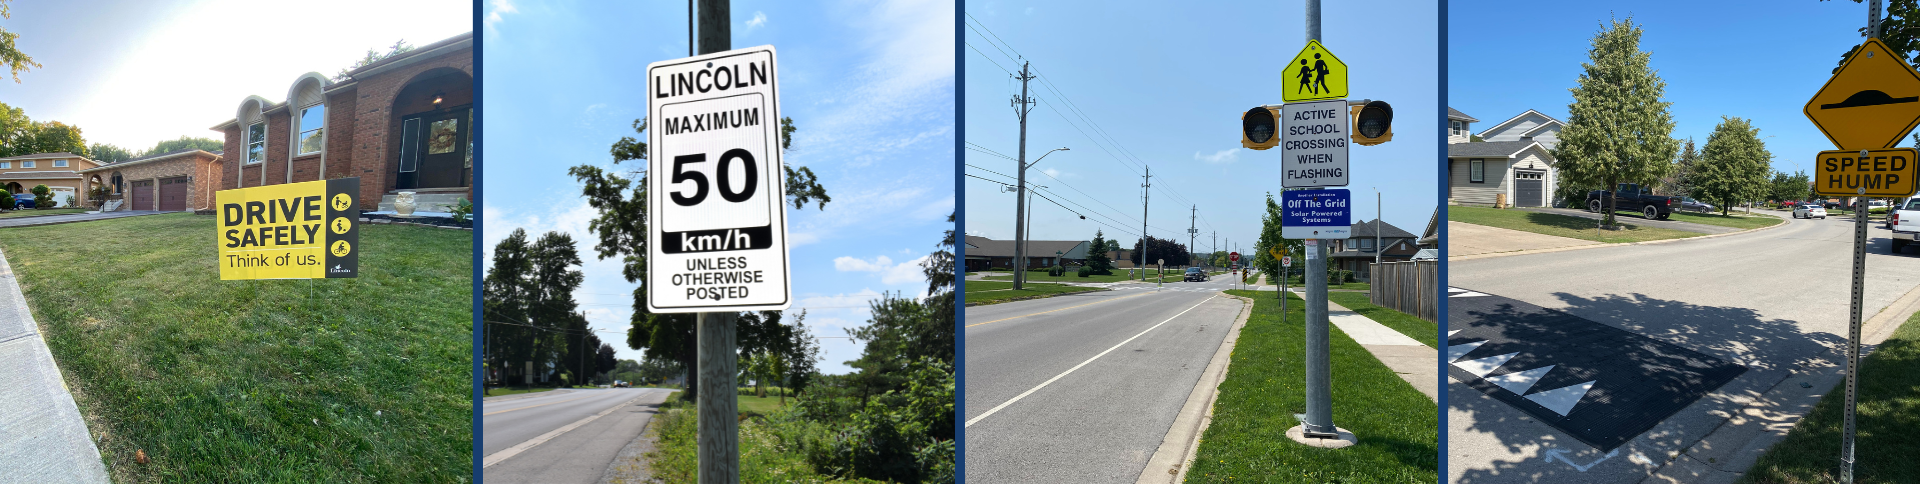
x,y
1465,239
1415,362
42,435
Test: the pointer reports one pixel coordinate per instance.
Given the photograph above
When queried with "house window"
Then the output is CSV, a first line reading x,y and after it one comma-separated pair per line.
x,y
59,163
1366,244
6,164
256,143
313,125
1477,171
1459,128
26,164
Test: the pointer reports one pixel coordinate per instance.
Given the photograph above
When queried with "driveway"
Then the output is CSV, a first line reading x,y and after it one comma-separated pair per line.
x,y
1638,220
70,218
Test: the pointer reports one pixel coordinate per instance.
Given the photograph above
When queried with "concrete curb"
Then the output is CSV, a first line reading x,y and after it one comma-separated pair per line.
x,y
1490,255
1183,438
29,222
1724,455
43,436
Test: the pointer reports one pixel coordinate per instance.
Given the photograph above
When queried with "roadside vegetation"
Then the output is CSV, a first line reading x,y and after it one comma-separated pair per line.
x,y
1888,394
335,380
1427,332
1265,387
1561,225
993,292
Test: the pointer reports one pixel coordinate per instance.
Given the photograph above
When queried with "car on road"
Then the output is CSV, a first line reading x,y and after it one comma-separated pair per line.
x,y
1691,205
1905,221
1195,274
1633,198
1810,210
23,200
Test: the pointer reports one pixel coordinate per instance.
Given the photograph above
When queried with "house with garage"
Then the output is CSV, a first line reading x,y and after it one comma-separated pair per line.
x,y
58,171
176,181
1356,252
1506,165
403,123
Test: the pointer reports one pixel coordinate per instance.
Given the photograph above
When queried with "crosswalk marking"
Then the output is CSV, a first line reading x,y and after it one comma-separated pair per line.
x,y
1561,400
1458,292
1519,382
1456,351
1481,367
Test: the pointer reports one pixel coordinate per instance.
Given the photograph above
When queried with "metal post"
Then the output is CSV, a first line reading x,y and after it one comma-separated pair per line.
x,y
1853,332
1319,421
1313,20
719,425
1020,106
719,438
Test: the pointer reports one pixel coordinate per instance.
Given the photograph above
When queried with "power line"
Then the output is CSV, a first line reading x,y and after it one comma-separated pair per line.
x,y
976,50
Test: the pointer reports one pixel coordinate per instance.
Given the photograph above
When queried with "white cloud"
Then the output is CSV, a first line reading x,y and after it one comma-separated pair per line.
x,y
1051,172
498,11
904,273
1222,156
854,264
759,20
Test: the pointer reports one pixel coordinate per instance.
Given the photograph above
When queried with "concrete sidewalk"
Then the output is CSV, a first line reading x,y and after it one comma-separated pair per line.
x,y
42,436
70,218
1465,239
1416,363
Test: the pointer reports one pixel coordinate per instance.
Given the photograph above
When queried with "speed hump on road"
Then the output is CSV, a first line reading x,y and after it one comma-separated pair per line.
x,y
716,223
307,230
1874,173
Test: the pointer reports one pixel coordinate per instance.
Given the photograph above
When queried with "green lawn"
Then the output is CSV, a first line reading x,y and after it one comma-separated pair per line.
x,y
1420,329
501,391
40,213
1562,225
989,292
750,403
341,380
1298,281
1118,275
1887,413
1735,219
1247,440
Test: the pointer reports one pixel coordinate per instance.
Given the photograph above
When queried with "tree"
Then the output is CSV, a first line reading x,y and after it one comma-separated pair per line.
x,y
1734,165
529,305
621,226
373,56
902,331
1618,129
184,143
11,56
606,361
1680,183
1785,187
1897,30
107,153
1097,260
1269,237
52,137
1174,253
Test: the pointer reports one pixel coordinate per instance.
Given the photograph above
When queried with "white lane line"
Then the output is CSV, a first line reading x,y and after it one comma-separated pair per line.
x,y
502,455
1063,374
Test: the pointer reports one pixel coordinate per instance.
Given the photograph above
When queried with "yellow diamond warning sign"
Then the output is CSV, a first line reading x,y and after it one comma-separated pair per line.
x,y
1315,74
1871,103
1881,173
293,231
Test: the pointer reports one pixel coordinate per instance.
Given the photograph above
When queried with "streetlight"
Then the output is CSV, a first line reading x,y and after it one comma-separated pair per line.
x,y
1021,211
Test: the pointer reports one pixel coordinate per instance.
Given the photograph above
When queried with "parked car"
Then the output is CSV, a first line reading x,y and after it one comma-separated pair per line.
x,y
1810,210
1195,274
1633,198
1905,222
23,200
1691,205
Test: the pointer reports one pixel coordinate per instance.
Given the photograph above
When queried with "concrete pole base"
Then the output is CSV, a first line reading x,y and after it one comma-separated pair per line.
x,y
1344,439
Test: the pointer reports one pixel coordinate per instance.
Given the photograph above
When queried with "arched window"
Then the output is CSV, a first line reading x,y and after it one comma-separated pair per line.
x,y
307,103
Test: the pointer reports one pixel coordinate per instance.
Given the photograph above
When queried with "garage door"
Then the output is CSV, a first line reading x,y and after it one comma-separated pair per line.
x,y
1528,188
142,195
173,194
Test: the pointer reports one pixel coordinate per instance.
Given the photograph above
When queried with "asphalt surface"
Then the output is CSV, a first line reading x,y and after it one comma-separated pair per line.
x,y
1767,300
579,455
1086,385
1637,219
69,218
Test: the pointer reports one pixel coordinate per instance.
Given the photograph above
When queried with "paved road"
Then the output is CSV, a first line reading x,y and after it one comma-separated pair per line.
x,y
579,455
1090,382
69,218
1764,301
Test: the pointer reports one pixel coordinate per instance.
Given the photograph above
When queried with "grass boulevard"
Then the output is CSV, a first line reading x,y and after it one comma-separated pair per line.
x,y
345,380
1585,229
42,213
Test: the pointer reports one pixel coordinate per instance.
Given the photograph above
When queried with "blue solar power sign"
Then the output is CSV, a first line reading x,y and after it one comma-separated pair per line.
x,y
1316,214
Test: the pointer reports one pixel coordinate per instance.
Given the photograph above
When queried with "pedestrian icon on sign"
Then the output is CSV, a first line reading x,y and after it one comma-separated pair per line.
x,y
1320,74
1306,78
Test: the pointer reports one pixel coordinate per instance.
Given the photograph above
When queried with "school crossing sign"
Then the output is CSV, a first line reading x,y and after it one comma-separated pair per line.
x,y
716,218
307,230
1315,74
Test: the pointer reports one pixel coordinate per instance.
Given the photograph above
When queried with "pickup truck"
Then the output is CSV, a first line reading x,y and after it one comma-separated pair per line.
x,y
1905,221
1633,198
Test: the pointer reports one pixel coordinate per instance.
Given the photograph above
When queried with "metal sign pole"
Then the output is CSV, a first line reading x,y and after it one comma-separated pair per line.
x,y
1853,334
1319,421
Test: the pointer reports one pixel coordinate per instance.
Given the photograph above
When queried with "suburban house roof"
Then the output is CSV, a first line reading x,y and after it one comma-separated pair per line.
x,y
985,247
1387,231
1489,149
1550,121
36,156
1456,114
149,159
39,175
1431,235
402,59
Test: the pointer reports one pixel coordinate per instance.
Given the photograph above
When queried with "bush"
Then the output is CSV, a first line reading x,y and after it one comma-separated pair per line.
x,y
6,201
42,197
1057,271
897,436
1085,271
463,210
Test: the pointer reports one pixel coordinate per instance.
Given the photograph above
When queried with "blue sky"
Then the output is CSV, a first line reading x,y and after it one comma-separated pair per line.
x,y
1169,84
869,83
134,73
1754,60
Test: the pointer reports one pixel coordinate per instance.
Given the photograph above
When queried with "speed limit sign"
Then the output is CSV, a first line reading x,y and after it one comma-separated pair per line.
x,y
716,221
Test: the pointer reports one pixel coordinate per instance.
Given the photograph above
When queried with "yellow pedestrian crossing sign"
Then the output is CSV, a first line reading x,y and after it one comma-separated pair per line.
x,y
1314,75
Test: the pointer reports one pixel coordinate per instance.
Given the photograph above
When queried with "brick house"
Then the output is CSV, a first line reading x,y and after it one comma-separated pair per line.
x,y
58,171
400,124
176,181
984,253
1356,252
